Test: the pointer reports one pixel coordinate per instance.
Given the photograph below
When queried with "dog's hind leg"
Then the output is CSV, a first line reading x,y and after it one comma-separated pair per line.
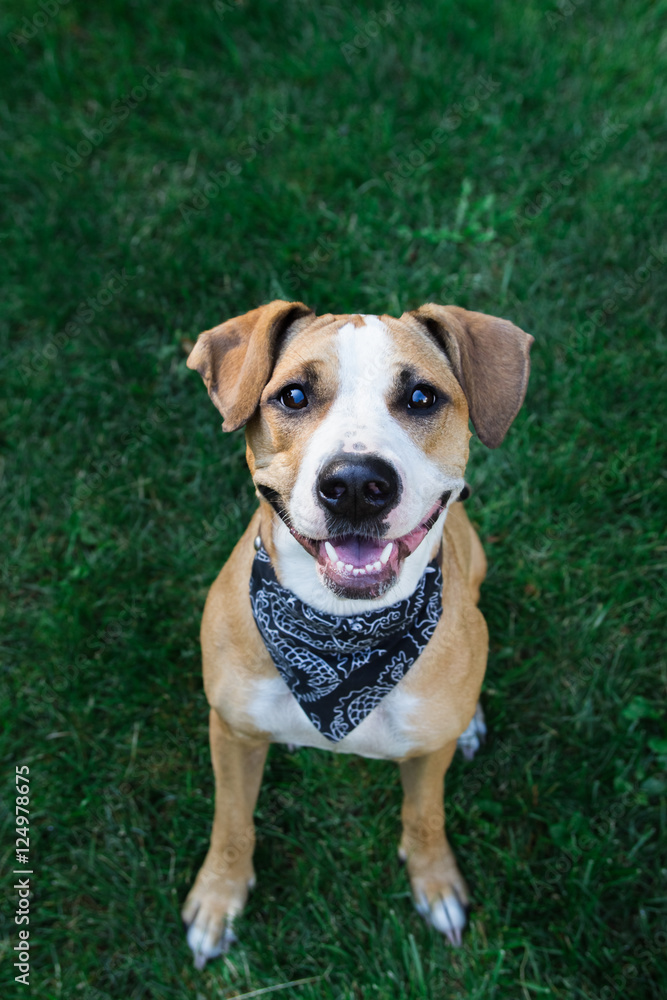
x,y
221,887
439,892
472,738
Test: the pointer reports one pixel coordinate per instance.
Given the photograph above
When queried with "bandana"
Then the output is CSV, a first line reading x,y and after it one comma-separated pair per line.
x,y
340,668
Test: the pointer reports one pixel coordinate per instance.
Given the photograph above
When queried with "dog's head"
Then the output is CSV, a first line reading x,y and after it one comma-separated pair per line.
x,y
357,426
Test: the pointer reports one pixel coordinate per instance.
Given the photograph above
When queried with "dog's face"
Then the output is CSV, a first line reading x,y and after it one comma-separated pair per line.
x,y
357,426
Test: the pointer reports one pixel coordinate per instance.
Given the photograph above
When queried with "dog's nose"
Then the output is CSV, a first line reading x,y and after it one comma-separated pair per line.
x,y
358,488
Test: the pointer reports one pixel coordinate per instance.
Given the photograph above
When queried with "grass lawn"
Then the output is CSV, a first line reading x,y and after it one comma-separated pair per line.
x,y
507,157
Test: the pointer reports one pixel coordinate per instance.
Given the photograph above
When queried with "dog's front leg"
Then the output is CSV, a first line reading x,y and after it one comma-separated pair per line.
x,y
439,892
221,887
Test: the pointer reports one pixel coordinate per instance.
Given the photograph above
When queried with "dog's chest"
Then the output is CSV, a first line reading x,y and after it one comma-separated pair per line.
x,y
387,733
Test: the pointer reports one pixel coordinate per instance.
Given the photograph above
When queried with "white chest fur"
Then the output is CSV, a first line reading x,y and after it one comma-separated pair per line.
x,y
386,734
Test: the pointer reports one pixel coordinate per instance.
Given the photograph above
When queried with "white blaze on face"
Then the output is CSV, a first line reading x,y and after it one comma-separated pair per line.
x,y
359,423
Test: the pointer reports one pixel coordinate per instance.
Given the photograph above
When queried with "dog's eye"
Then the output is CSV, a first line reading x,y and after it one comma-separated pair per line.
x,y
293,397
422,398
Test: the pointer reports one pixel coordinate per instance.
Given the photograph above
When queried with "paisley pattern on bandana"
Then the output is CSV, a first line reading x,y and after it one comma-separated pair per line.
x,y
340,668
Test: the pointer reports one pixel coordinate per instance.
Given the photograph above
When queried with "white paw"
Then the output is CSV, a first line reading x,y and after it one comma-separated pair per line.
x,y
209,912
207,939
471,740
446,913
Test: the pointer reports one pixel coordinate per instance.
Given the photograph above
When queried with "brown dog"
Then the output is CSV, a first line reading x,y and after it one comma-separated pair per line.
x,y
346,617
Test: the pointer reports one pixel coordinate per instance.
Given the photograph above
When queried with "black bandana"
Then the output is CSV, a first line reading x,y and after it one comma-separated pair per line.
x,y
340,668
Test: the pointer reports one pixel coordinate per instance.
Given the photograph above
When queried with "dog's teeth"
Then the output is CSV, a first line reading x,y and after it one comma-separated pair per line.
x,y
340,564
377,565
359,571
369,567
349,567
386,552
331,552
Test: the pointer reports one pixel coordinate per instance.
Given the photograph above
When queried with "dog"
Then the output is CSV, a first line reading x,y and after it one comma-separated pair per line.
x,y
346,617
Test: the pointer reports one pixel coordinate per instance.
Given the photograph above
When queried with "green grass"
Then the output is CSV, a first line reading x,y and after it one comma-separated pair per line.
x,y
121,498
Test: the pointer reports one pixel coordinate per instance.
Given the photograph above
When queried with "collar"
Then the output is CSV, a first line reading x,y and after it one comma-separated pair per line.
x,y
340,668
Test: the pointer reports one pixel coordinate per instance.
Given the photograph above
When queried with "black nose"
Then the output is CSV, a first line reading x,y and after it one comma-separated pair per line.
x,y
358,488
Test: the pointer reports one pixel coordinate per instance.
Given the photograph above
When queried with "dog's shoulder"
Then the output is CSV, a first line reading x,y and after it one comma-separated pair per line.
x,y
461,542
230,641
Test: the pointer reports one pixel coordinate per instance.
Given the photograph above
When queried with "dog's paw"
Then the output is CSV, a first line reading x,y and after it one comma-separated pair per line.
x,y
208,937
209,912
472,738
439,891
446,913
441,898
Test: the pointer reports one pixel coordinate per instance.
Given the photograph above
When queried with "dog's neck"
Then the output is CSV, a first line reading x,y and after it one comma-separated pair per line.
x,y
296,569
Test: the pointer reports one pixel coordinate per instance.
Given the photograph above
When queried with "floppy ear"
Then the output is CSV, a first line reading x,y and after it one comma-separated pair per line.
x,y
236,358
490,361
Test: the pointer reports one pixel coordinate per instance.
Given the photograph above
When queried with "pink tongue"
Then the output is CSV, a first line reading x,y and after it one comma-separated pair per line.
x,y
357,550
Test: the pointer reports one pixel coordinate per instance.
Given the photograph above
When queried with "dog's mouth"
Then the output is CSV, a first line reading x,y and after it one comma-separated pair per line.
x,y
358,566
